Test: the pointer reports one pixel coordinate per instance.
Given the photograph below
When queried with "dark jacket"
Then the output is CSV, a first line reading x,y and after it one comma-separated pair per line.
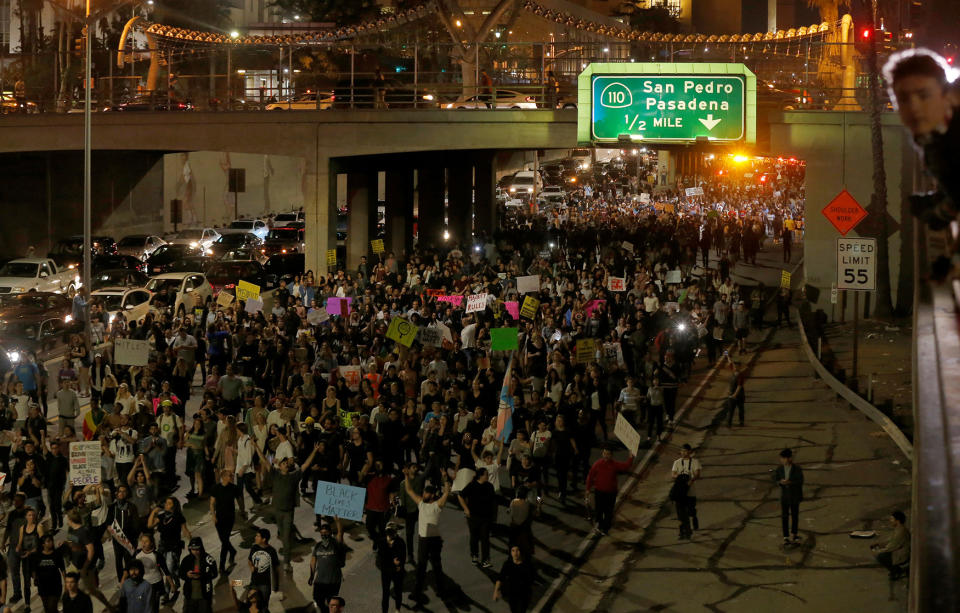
x,y
208,572
793,491
386,553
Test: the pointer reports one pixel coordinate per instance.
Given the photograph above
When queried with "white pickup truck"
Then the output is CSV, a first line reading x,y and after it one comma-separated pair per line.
x,y
36,275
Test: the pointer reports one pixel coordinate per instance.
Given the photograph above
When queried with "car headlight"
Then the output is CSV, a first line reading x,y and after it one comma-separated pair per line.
x,y
69,318
449,105
18,290
529,190
513,189
193,245
13,356
428,97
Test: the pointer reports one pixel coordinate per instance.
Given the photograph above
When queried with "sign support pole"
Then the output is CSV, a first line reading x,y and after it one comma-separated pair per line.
x,y
856,336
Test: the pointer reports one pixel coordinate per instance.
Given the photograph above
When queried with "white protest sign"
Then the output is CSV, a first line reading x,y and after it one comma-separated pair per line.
x,y
463,479
254,305
627,246
617,284
84,462
431,336
352,375
131,352
674,276
445,332
627,434
317,316
530,283
477,302
644,197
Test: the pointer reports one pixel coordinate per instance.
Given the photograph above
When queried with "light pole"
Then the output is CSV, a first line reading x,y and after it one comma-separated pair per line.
x,y
87,246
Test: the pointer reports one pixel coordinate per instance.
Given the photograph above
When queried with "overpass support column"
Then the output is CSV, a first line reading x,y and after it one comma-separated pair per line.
x,y
398,221
320,211
460,208
485,194
430,194
362,211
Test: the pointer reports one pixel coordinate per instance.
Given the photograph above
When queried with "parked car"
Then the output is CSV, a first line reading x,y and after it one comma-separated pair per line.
x,y
111,262
231,242
9,104
282,219
191,263
285,266
161,259
178,291
69,251
254,226
151,103
139,245
224,276
38,322
283,240
523,182
306,102
195,238
118,277
501,99
36,275
131,304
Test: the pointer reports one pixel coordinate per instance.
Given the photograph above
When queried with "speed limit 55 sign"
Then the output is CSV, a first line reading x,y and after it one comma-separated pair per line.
x,y
857,263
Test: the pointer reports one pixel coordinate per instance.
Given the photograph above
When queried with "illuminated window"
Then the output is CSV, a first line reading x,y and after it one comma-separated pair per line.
x,y
5,25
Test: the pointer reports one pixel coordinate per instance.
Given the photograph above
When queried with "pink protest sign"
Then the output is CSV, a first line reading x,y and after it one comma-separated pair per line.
x,y
339,306
513,307
592,306
455,300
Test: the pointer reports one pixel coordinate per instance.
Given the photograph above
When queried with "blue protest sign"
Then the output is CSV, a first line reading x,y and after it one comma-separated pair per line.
x,y
343,501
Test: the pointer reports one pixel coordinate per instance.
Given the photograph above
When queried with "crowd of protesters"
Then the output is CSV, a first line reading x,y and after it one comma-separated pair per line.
x,y
257,409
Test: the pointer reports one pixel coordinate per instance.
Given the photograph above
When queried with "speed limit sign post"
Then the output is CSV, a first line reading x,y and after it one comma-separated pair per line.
x,y
857,272
857,264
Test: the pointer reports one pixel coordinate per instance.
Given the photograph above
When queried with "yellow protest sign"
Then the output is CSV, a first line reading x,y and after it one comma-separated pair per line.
x,y
331,257
246,290
784,279
402,331
790,224
377,245
529,308
586,350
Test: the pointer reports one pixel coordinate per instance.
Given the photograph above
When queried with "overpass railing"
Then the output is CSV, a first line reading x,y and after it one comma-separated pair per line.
x,y
222,78
935,566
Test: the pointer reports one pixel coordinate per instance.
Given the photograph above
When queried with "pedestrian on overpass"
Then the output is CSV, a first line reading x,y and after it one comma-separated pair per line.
x,y
790,478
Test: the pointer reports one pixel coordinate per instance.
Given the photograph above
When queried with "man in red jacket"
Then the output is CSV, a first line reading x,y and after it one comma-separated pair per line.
x,y
602,479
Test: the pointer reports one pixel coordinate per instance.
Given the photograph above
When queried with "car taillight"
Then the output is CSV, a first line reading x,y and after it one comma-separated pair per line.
x,y
229,285
211,286
332,98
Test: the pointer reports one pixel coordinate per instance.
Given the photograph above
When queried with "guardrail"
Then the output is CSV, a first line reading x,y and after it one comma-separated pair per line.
x,y
935,567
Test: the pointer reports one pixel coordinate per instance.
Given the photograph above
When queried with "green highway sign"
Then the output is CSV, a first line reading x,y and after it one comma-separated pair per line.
x,y
666,103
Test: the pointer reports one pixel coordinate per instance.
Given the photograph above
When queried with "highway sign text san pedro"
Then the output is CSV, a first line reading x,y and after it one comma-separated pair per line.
x,y
671,103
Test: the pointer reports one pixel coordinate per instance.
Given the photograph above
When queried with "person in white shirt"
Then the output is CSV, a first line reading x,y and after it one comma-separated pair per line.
x,y
690,468
122,445
246,475
430,542
185,346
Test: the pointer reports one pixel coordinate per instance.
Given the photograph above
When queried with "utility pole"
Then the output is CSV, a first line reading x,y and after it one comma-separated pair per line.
x,y
87,246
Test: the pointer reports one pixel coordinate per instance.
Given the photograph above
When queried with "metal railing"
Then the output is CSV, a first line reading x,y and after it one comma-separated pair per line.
x,y
935,566
214,78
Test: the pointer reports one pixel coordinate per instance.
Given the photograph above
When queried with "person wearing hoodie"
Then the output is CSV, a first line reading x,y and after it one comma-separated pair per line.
x,y
197,571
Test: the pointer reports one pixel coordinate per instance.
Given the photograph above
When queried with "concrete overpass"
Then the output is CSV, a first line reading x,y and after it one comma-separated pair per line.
x,y
359,143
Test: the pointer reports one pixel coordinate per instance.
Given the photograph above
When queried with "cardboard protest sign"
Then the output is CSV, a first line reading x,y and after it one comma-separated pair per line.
x,y
627,434
617,284
131,352
224,299
477,302
247,290
530,306
586,350
503,339
530,283
84,462
339,500
317,316
352,375
402,331
627,246
785,279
